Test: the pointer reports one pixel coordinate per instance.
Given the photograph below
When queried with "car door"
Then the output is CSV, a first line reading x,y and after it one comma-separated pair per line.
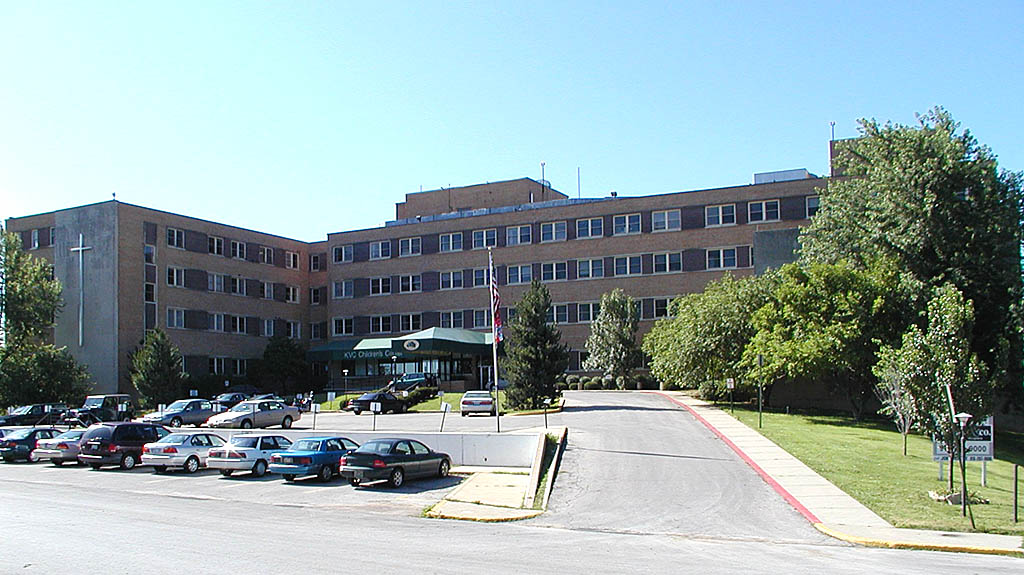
x,y
263,414
424,459
268,445
402,452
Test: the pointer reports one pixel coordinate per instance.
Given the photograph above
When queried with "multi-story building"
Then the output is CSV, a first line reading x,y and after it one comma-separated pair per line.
x,y
219,291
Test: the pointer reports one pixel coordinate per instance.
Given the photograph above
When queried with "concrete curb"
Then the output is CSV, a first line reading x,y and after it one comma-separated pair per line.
x,y
440,511
834,532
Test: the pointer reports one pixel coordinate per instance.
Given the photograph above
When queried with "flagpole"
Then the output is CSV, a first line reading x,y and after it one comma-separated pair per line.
x,y
494,340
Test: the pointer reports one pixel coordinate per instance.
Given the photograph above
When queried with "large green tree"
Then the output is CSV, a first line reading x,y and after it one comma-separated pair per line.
x,y
534,352
933,200
283,367
612,347
157,371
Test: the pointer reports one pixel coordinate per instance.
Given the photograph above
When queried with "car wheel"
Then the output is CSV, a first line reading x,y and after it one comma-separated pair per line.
x,y
128,461
57,462
176,422
259,469
246,424
227,472
356,411
192,464
9,459
94,465
397,477
353,482
444,468
464,414
289,477
32,457
493,413
159,468
287,422
326,473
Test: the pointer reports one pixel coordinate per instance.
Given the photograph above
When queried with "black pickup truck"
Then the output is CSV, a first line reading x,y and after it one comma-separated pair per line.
x,y
34,414
97,408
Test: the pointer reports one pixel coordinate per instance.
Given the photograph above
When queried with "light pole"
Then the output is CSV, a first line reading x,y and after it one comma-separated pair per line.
x,y
344,378
962,418
760,386
547,403
394,366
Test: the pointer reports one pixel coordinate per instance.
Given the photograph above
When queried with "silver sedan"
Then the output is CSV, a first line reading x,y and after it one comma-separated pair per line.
x,y
59,449
188,450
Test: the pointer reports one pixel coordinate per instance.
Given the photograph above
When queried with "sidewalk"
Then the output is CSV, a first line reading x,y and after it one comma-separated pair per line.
x,y
488,495
827,507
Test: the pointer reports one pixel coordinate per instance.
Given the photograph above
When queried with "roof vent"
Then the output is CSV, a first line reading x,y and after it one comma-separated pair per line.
x,y
782,176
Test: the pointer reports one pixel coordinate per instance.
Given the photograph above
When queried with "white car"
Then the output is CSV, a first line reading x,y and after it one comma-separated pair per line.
x,y
476,402
187,450
246,452
256,413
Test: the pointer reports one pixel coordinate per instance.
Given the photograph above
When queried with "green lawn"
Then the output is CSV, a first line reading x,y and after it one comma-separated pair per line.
x,y
866,460
434,403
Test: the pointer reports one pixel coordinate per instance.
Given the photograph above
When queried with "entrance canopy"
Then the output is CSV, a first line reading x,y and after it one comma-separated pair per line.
x,y
435,341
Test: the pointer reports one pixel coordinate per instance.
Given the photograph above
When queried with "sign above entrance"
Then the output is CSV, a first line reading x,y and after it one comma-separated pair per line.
x,y
411,344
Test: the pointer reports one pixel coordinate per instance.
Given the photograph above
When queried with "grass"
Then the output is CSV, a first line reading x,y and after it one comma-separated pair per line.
x,y
338,402
865,459
550,449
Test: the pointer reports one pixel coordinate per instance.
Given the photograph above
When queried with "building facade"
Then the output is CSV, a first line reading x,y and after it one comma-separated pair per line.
x,y
220,291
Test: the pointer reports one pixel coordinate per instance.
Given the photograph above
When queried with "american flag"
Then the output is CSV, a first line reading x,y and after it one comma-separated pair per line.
x,y
495,301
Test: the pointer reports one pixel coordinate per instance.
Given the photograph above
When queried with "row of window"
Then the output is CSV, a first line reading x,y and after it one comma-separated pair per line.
x,y
34,241
226,323
236,249
623,224
236,285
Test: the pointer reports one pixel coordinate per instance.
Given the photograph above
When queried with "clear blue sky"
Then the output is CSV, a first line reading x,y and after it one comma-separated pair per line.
x,y
302,118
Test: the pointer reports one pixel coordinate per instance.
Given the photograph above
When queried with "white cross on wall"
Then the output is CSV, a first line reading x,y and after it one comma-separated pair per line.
x,y
81,249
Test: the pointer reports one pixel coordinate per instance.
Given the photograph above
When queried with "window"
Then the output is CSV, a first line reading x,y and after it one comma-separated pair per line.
x,y
268,328
291,294
238,367
314,262
670,262
316,331
409,284
552,232
766,211
35,240
412,322
409,247
380,324
451,280
520,274
661,307
266,290
481,318
342,289
175,276
149,253
238,286
586,269
518,235
666,221
723,215
558,313
53,236
216,245
176,238
380,286
590,228
342,254
266,255
627,266
216,322
481,277
215,282
485,238
722,258
238,324
451,319
237,250
150,293
588,311
175,317
217,365
294,330
291,260
812,205
553,271
314,296
626,224
451,242
342,326
380,250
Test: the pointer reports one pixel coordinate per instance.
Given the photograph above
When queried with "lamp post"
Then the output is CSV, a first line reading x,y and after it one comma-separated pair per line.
x,y
547,403
394,366
760,386
344,378
962,418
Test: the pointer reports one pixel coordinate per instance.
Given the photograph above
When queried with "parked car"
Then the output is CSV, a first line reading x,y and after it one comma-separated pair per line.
x,y
409,382
117,443
97,408
19,443
34,414
183,412
388,402
246,453
393,460
185,449
318,456
477,402
59,449
229,400
256,413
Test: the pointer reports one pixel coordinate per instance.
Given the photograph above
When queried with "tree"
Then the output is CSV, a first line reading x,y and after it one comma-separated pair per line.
x,y
701,343
283,367
934,201
612,345
156,369
534,352
29,297
41,374
893,392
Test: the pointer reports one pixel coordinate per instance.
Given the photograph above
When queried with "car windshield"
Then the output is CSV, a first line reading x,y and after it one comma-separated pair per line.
x,y
72,434
368,396
224,397
477,394
177,405
244,407
306,445
375,447
175,438
19,434
98,432
93,402
244,441
21,410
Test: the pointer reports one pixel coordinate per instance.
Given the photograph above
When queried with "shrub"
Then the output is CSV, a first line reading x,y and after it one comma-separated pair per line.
x,y
561,386
572,380
419,395
608,383
592,384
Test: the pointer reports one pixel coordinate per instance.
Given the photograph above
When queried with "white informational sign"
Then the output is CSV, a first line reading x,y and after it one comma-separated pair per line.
x,y
730,383
405,393
193,393
375,406
331,396
979,446
445,406
161,407
315,408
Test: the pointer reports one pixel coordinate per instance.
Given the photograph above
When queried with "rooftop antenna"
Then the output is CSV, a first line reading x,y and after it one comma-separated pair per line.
x,y
833,124
579,185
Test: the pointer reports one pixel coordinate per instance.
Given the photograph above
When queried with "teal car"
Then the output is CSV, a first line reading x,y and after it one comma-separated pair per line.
x,y
312,456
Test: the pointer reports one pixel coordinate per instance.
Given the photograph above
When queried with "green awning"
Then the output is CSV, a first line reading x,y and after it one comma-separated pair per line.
x,y
433,341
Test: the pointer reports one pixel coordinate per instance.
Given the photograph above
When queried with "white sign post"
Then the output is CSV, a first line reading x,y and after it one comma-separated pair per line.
x,y
375,409
979,446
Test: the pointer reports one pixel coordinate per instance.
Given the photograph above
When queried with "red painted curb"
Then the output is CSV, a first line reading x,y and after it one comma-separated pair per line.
x,y
768,478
